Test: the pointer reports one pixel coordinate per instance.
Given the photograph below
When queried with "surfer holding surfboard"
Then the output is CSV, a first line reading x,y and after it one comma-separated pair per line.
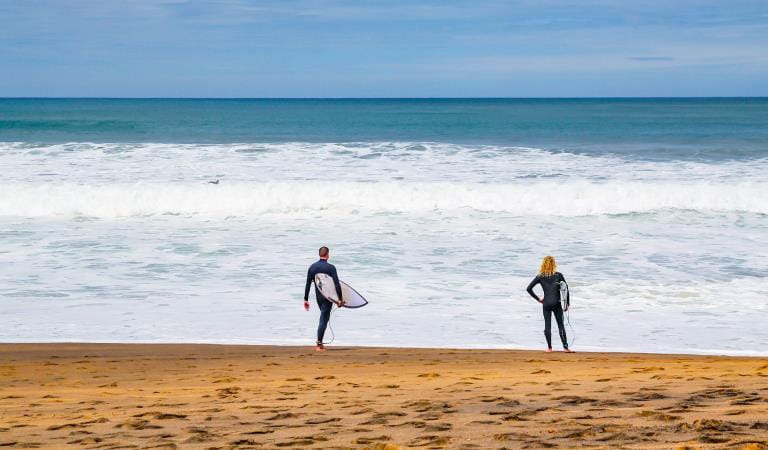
x,y
555,300
323,267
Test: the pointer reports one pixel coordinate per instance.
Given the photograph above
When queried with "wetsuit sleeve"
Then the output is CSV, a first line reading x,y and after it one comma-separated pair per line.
x,y
530,288
309,283
337,283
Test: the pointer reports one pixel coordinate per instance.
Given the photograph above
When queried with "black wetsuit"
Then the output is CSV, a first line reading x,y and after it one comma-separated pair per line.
x,y
551,304
325,305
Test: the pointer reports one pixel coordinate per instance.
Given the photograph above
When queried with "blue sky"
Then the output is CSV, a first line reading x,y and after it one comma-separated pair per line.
x,y
363,48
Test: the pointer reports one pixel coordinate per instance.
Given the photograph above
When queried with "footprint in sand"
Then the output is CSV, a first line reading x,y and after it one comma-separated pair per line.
x,y
200,435
709,425
429,375
430,441
389,414
644,396
595,430
83,441
572,400
209,410
283,416
524,415
611,403
228,392
656,415
511,437
429,406
224,380
585,417
78,425
319,420
646,369
375,421
713,439
247,443
508,403
490,398
444,426
296,443
259,431
161,415
364,440
138,424
411,424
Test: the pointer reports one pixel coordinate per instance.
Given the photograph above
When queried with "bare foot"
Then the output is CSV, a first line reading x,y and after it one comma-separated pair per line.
x,y
568,350
549,350
320,348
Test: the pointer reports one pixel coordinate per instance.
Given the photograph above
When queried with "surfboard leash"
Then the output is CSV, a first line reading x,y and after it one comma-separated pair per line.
x,y
573,332
330,327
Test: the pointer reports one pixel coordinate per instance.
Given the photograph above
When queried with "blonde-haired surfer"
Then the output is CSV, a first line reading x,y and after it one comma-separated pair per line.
x,y
550,280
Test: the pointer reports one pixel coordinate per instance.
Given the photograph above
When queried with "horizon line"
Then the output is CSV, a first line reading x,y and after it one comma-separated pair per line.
x,y
383,98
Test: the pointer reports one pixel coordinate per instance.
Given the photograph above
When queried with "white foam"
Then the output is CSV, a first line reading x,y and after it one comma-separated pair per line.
x,y
377,161
254,199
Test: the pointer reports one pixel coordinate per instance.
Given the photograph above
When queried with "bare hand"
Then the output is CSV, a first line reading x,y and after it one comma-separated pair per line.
x,y
341,303
306,305
540,301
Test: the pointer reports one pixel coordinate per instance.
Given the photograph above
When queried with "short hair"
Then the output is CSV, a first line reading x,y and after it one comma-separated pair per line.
x,y
323,251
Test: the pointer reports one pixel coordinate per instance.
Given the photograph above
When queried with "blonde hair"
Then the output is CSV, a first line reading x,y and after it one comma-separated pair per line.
x,y
548,266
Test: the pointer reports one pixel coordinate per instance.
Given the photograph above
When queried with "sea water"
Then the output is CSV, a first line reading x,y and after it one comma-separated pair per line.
x,y
438,211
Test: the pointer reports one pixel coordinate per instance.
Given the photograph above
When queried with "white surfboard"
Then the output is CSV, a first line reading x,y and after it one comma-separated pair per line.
x,y
565,297
352,298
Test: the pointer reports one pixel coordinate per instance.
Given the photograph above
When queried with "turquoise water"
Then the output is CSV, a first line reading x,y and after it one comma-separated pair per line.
x,y
438,211
708,128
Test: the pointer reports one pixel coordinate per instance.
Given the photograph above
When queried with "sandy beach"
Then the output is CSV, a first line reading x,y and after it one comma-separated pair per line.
x,y
212,396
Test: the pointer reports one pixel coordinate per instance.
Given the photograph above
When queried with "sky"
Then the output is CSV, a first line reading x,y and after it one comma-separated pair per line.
x,y
393,48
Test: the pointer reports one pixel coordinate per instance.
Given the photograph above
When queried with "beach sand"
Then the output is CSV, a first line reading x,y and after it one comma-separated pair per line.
x,y
224,396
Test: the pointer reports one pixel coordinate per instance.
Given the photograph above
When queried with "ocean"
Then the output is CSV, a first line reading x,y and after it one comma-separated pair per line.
x,y
437,210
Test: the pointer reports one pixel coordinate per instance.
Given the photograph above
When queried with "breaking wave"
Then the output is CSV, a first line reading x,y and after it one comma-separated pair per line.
x,y
249,199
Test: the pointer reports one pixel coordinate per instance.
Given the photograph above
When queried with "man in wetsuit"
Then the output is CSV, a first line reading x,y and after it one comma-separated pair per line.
x,y
550,283
325,305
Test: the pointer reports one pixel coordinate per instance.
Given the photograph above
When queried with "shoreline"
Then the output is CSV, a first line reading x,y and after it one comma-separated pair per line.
x,y
591,350
252,396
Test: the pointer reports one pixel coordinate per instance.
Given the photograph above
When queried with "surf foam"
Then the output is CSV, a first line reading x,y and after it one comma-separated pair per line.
x,y
253,199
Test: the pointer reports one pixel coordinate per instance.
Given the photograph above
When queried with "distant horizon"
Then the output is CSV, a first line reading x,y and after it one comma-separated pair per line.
x,y
391,98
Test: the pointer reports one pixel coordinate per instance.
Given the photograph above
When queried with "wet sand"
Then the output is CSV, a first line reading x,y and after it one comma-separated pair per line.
x,y
209,396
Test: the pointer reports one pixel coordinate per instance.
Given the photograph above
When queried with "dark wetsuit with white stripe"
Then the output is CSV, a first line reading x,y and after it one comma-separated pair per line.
x,y
551,304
